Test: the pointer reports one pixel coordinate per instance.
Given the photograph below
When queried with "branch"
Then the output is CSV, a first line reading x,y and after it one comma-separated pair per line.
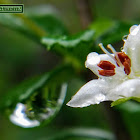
x,y
85,13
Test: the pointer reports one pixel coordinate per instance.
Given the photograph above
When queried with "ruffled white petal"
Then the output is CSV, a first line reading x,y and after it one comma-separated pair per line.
x,y
132,48
93,60
93,92
129,88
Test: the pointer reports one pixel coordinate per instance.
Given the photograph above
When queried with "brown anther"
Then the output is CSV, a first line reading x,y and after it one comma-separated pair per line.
x,y
127,67
106,65
107,72
125,60
108,68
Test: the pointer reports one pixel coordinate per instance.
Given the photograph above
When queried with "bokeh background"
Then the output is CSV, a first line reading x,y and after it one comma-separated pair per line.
x,y
21,58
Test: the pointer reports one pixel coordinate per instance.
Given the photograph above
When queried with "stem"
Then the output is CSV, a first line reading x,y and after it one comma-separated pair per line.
x,y
85,13
114,117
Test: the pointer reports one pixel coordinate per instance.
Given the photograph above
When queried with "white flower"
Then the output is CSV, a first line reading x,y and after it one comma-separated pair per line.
x,y
119,73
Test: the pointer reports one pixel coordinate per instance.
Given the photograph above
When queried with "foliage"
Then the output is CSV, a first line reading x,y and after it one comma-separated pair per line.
x,y
42,24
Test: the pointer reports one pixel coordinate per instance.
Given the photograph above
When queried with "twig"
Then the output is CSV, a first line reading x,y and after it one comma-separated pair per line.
x,y
84,12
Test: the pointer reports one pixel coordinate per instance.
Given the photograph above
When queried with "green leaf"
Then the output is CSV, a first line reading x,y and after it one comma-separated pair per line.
x,y
120,30
131,107
102,26
47,18
43,25
110,31
35,23
36,101
82,133
68,41
75,48
122,100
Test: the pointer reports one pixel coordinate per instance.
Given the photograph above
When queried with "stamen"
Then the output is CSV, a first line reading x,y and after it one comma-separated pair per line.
x,y
105,51
116,55
120,58
108,69
107,73
106,65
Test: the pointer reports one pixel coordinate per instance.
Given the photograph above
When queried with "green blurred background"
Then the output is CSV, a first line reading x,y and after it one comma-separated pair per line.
x,y
21,58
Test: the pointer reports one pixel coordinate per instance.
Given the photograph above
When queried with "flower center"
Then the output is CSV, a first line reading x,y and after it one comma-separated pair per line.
x,y
121,59
108,68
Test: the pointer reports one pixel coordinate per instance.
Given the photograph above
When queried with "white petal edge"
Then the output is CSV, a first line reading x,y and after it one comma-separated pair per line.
x,y
91,93
129,88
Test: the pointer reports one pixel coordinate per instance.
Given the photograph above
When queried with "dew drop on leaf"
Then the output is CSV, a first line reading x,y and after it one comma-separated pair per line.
x,y
39,108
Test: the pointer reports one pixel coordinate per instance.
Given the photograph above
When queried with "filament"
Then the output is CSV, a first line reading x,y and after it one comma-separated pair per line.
x,y
115,53
105,51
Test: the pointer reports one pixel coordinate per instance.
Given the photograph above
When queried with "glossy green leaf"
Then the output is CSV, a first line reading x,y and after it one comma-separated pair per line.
x,y
75,48
122,100
131,107
117,33
110,31
68,42
36,101
36,22
82,133
102,26
47,18
42,24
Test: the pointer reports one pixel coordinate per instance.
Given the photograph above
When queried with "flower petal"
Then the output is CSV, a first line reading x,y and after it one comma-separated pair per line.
x,y
92,92
129,88
93,60
132,48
